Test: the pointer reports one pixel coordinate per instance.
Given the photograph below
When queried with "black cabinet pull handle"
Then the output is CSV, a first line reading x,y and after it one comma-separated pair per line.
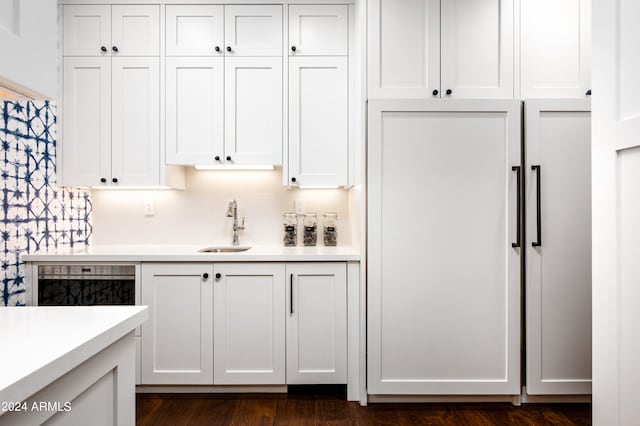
x,y
537,243
293,179
449,91
205,276
103,180
218,275
517,170
588,92
114,48
293,48
103,48
228,158
291,295
435,92
217,158
114,180
228,48
217,48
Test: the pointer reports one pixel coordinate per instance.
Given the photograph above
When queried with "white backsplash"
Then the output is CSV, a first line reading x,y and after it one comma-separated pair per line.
x,y
197,215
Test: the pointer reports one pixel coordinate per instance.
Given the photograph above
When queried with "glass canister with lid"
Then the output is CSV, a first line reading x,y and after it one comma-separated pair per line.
x,y
290,228
310,229
330,228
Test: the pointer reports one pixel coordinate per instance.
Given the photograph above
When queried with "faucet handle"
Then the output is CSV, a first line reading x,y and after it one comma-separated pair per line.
x,y
242,226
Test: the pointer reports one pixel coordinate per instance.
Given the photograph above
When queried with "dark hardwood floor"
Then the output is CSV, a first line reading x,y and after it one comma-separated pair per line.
x,y
310,406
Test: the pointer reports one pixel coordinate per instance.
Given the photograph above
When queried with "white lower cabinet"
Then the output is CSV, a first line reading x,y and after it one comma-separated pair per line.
x,y
177,340
249,324
316,323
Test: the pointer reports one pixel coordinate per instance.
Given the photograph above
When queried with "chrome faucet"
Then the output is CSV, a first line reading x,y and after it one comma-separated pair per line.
x,y
232,211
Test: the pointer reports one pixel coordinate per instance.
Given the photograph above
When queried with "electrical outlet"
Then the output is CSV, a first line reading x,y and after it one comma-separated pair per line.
x,y
298,206
149,209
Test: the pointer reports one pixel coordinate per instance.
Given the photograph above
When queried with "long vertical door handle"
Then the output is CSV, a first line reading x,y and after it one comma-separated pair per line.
x,y
291,295
517,170
538,242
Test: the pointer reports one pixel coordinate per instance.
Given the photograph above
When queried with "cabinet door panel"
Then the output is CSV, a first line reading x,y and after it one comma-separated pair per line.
x,y
477,48
556,48
249,324
318,120
558,136
86,131
135,142
444,301
316,323
195,30
253,30
318,29
86,29
253,113
177,340
404,48
136,30
194,114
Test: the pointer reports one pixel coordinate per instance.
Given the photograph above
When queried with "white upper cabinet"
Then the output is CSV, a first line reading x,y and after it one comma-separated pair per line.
x,y
477,48
404,48
253,30
555,48
253,110
195,30
318,30
122,30
194,110
441,48
318,120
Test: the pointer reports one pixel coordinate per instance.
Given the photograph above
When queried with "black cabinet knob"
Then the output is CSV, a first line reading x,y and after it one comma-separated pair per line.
x,y
205,276
293,179
449,91
588,92
228,48
217,158
228,158
103,48
293,48
217,48
218,275
435,92
103,180
114,48
114,180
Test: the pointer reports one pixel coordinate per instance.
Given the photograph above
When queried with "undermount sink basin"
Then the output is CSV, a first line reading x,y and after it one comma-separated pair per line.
x,y
224,249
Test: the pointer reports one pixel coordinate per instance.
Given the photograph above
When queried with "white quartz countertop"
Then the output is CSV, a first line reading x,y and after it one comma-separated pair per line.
x,y
40,344
189,253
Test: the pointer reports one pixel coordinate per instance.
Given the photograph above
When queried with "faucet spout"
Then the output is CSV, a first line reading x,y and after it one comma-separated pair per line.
x,y
232,211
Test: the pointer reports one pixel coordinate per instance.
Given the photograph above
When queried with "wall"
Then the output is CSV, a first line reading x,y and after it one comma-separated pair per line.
x,y
197,215
36,214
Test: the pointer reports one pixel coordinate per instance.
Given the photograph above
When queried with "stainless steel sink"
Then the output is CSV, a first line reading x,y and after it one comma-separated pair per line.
x,y
224,249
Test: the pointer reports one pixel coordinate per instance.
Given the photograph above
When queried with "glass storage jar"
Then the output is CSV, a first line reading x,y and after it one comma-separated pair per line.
x,y
310,227
330,227
290,224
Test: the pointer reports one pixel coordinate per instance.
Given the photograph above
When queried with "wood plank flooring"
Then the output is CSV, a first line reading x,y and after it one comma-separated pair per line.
x,y
319,407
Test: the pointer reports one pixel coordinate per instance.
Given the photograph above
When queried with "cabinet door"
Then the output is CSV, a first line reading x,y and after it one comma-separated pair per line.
x,y
318,29
86,128
403,48
318,120
135,139
253,110
253,30
316,323
177,340
249,324
556,48
195,30
135,30
477,48
444,291
86,29
194,111
558,140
